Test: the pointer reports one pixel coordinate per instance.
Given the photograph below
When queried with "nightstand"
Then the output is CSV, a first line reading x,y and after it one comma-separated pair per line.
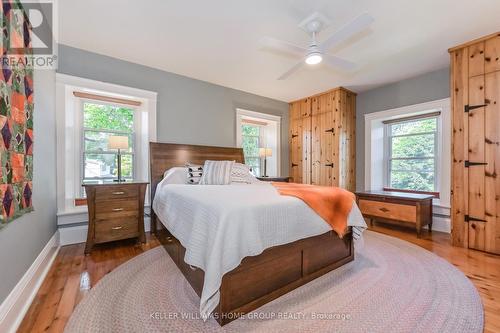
x,y
274,179
116,211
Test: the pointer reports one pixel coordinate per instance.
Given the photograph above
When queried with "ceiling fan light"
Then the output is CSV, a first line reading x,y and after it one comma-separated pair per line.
x,y
314,58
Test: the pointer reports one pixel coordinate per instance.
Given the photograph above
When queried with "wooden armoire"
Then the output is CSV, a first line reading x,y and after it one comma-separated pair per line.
x,y
323,139
475,95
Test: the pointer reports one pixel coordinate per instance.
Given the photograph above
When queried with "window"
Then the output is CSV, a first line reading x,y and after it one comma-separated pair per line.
x,y
256,130
412,153
100,121
251,142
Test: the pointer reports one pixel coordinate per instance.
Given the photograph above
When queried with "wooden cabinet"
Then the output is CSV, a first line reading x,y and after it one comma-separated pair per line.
x,y
116,211
322,139
475,91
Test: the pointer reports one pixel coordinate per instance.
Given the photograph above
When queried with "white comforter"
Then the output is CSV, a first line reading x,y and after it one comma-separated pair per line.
x,y
221,225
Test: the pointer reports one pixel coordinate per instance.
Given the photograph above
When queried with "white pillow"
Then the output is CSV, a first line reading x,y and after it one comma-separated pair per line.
x,y
216,173
176,175
241,174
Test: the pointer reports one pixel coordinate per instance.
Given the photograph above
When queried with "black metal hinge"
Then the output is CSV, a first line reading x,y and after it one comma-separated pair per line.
x,y
294,135
468,164
330,130
329,165
468,107
468,218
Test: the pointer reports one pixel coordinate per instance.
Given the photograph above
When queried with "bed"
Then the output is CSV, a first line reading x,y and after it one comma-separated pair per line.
x,y
265,273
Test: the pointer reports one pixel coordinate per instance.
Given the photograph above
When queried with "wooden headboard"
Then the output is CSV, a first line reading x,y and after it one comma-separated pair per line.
x,y
163,156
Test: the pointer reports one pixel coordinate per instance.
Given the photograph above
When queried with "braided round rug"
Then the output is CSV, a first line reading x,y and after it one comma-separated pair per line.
x,y
391,286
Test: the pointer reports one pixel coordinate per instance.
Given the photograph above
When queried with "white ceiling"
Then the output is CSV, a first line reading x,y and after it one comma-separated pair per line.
x,y
218,40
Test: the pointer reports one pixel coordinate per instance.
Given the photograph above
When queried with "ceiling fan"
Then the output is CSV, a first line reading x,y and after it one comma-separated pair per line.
x,y
316,52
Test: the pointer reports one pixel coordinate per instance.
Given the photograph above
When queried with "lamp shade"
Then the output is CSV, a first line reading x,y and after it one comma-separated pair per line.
x,y
118,142
265,152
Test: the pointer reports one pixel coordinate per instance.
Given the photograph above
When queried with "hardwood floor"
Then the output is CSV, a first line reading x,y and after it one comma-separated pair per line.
x,y
74,274
71,276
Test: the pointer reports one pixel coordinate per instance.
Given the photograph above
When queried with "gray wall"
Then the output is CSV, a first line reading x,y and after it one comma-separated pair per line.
x,y
188,110
420,89
22,239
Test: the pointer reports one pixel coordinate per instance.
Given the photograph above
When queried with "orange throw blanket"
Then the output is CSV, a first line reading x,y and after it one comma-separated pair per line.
x,y
333,204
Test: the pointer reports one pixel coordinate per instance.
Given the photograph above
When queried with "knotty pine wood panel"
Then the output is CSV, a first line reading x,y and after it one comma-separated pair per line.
x,y
476,59
492,157
477,235
337,126
323,150
476,154
492,54
305,108
459,198
294,143
300,141
347,141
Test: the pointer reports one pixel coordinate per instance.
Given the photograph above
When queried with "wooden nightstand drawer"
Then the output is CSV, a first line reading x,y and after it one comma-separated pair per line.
x,y
116,208
388,210
116,192
114,229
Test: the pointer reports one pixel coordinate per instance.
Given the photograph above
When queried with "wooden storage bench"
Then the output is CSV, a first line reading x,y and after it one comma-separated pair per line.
x,y
397,207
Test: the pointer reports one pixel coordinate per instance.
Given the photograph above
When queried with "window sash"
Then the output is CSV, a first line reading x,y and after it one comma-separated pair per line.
x,y
84,178
258,166
85,152
389,158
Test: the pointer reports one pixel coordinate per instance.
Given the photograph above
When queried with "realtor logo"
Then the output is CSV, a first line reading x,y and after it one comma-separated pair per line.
x,y
28,33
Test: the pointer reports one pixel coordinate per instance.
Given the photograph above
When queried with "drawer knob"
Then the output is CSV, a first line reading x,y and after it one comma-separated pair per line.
x,y
117,209
385,210
119,193
117,228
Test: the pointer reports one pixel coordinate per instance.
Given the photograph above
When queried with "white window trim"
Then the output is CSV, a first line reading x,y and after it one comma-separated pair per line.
x,y
374,147
69,134
242,113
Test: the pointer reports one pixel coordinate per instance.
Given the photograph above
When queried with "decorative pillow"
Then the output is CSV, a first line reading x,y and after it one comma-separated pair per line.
x,y
176,175
217,173
194,173
240,173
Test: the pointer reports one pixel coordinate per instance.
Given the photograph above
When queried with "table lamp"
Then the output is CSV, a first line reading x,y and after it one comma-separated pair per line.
x,y
265,153
118,142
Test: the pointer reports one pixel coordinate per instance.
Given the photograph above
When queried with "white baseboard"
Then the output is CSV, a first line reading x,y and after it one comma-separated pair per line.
x,y
78,234
15,306
73,235
441,223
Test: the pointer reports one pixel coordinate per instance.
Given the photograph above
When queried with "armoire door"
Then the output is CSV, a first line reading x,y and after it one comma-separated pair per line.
x,y
492,158
324,142
475,160
483,160
299,141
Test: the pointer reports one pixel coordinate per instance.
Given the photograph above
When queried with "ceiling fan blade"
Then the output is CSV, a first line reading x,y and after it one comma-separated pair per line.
x,y
339,63
282,46
292,70
357,25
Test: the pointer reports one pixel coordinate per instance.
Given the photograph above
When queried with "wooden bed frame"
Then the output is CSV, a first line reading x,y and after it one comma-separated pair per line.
x,y
258,279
